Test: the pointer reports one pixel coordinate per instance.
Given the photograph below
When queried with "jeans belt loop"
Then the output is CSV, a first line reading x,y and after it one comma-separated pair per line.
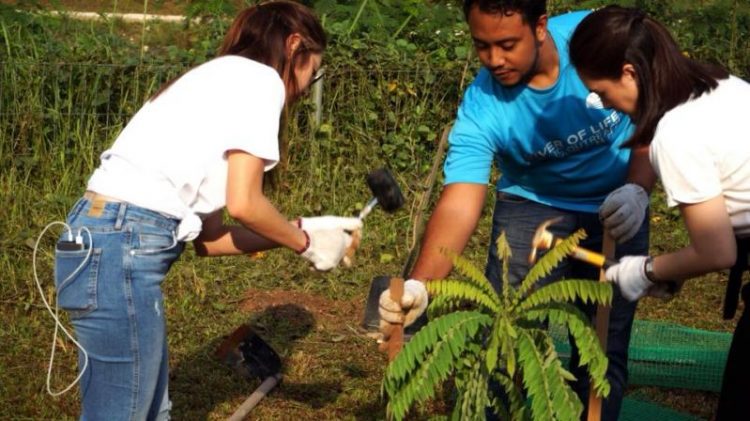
x,y
121,216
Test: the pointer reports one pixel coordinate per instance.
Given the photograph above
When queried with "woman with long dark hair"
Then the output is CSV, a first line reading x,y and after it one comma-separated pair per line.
x,y
694,117
202,143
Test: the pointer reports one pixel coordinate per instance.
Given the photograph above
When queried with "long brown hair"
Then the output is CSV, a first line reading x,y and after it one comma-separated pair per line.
x,y
610,37
260,33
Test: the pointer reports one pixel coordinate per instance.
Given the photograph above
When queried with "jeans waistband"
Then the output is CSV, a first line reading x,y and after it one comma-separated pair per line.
x,y
118,213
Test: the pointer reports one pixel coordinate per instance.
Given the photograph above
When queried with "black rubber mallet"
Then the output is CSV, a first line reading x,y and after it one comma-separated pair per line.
x,y
385,192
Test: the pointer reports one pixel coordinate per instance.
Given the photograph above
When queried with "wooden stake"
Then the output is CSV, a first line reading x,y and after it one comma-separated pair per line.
x,y
602,328
396,333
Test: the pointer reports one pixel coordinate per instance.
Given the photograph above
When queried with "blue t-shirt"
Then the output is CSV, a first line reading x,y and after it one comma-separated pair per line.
x,y
549,147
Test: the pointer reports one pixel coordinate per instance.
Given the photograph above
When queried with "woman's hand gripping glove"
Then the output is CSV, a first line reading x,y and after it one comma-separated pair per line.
x,y
350,224
630,275
623,211
413,304
326,248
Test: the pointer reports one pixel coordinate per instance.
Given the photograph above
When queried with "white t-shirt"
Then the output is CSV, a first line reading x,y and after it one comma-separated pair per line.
x,y
701,149
171,156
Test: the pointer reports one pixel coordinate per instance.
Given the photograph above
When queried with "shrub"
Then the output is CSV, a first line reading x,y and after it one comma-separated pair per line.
x,y
476,335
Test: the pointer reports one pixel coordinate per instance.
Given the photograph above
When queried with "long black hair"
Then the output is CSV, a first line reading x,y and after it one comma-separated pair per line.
x,y
612,36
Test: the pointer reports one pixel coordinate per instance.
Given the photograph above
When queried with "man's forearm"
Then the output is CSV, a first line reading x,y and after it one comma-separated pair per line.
x,y
450,227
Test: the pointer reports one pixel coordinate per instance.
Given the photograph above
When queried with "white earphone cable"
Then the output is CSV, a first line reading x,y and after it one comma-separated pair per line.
x,y
58,324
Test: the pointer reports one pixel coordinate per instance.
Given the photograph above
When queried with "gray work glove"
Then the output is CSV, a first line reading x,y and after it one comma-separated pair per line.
x,y
316,223
623,211
326,248
630,275
413,304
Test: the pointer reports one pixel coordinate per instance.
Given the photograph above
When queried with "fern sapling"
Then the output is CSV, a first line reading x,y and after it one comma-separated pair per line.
x,y
476,335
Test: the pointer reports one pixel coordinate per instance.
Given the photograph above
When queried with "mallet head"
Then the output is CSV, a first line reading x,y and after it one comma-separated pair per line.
x,y
543,239
385,192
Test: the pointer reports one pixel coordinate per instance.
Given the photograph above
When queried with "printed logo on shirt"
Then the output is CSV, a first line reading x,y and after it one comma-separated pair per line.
x,y
586,138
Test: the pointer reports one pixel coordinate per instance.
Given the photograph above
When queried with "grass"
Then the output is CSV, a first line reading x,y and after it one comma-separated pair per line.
x,y
58,114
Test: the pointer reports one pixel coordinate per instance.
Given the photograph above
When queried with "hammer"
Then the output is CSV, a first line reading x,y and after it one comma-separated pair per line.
x,y
250,356
385,191
545,240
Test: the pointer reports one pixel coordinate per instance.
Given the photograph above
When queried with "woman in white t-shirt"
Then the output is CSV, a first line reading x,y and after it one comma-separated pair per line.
x,y
694,117
199,145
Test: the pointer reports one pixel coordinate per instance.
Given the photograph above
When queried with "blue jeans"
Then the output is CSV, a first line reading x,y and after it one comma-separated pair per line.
x,y
116,307
519,219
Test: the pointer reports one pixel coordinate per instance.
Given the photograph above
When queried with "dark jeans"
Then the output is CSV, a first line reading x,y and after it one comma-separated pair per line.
x,y
519,219
735,389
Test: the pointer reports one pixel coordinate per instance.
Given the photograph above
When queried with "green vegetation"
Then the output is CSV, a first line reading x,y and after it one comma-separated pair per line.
x,y
476,335
396,70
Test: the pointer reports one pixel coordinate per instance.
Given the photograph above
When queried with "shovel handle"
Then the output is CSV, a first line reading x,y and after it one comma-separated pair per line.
x,y
265,387
396,330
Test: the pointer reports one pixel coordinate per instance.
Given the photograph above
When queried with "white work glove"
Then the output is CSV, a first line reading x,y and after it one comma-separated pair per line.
x,y
413,304
630,275
317,223
623,211
326,248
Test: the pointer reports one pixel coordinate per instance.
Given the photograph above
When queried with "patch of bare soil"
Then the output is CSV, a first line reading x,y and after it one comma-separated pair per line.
x,y
324,309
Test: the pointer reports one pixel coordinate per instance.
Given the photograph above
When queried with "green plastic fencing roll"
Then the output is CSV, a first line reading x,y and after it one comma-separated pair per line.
x,y
669,355
641,410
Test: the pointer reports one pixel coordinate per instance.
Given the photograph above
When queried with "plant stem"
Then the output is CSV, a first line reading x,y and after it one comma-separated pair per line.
x,y
356,18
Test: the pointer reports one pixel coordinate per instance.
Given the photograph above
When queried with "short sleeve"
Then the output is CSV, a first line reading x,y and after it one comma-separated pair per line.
x,y
471,149
686,166
252,99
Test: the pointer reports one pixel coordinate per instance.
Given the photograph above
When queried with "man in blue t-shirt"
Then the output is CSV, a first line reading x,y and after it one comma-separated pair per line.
x,y
559,155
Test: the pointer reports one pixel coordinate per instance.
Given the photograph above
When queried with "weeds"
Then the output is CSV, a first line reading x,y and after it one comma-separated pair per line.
x,y
395,76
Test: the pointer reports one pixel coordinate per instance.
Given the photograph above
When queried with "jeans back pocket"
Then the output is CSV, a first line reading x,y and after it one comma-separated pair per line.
x,y
76,280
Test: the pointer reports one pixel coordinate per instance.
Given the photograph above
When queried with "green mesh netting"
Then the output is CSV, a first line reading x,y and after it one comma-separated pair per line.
x,y
669,355
639,410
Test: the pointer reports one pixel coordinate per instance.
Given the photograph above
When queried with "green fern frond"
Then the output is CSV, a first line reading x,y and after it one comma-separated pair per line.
x,y
441,305
580,328
473,397
568,290
514,395
473,275
566,403
534,379
466,291
429,358
493,347
550,260
501,343
504,253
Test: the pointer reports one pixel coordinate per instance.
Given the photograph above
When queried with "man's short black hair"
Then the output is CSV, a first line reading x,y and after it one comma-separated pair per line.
x,y
530,10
